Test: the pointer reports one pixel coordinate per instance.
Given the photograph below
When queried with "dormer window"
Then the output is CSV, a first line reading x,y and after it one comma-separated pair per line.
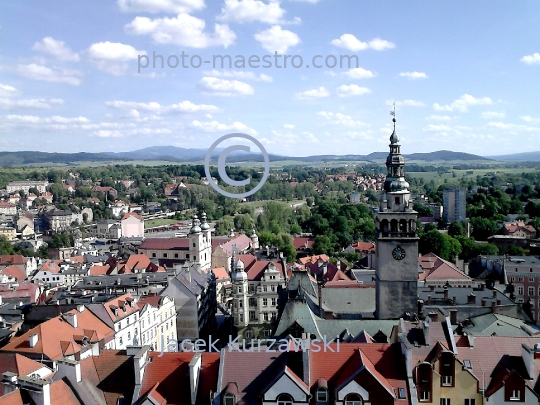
x,y
353,399
229,399
285,399
322,395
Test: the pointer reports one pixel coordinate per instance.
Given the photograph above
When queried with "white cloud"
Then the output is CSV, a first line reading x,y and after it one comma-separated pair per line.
x,y
321,92
463,103
532,120
240,75
111,57
406,103
436,128
40,72
245,11
185,107
288,126
227,88
184,30
350,42
39,103
214,126
340,119
513,127
351,90
359,73
439,118
158,6
493,114
286,140
533,59
8,91
56,48
276,39
413,75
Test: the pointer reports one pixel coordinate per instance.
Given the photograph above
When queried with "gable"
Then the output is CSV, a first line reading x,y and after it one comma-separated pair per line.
x,y
286,385
353,388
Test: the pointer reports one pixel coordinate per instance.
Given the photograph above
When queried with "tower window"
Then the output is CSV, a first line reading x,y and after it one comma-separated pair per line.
x,y
397,200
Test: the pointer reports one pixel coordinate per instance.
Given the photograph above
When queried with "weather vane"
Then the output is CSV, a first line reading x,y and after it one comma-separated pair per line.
x,y
393,114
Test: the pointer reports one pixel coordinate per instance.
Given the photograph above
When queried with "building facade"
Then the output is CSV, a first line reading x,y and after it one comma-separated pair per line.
x,y
454,204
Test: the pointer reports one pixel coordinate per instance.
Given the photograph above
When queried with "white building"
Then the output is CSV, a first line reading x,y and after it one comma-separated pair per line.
x,y
132,225
157,321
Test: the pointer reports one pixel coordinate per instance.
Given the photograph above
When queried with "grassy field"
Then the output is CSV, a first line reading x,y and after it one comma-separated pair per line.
x,y
158,222
259,204
467,174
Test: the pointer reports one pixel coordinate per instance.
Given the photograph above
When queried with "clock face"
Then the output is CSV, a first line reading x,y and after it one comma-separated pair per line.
x,y
398,253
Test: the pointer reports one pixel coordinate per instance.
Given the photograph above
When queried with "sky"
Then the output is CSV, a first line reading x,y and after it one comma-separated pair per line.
x,y
120,75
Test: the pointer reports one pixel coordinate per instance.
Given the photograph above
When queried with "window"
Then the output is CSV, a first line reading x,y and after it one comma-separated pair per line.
x,y
265,302
176,255
445,401
241,317
514,395
353,399
401,393
272,287
153,255
120,341
229,399
129,335
446,380
531,278
265,316
239,290
187,255
397,200
240,304
252,316
521,279
251,288
252,302
471,401
424,395
322,395
530,290
285,399
164,254
265,288
273,302
520,290
193,244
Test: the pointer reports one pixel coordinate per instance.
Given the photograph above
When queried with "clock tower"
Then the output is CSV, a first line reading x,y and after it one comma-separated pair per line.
x,y
397,241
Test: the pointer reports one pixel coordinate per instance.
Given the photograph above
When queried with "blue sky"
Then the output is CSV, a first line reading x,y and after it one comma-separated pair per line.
x,y
465,75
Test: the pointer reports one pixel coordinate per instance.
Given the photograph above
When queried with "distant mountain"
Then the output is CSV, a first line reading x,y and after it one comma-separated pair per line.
x,y
32,157
518,157
175,154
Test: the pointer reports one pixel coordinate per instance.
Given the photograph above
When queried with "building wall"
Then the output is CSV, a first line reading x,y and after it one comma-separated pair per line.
x,y
132,228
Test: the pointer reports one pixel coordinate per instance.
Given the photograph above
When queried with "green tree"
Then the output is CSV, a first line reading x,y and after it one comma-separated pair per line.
x,y
456,228
440,244
322,244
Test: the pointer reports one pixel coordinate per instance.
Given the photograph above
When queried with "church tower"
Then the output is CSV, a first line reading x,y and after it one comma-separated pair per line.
x,y
397,241
239,280
200,243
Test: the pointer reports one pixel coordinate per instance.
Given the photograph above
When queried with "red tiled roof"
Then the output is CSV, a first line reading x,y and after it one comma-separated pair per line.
x,y
303,243
221,273
53,332
62,394
15,272
165,244
132,214
436,268
99,270
150,299
137,264
13,398
314,258
256,271
363,246
171,370
12,259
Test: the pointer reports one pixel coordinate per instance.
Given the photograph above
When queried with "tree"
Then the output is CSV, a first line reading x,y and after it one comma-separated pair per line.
x,y
322,244
483,228
456,229
515,250
423,211
5,246
440,244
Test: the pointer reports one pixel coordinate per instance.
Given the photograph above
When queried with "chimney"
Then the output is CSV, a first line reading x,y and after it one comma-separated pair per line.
x,y
71,319
319,291
483,302
33,339
425,330
493,306
453,316
69,368
494,293
9,382
140,355
466,268
454,300
305,362
328,315
429,299
188,274
445,291
471,299
194,370
80,308
431,288
38,389
420,305
433,316
528,358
